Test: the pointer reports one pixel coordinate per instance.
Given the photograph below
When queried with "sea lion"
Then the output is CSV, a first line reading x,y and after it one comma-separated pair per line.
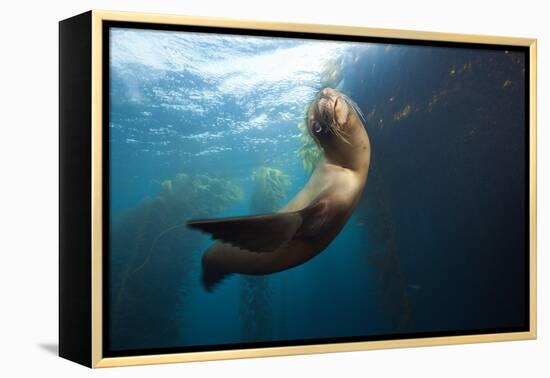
x,y
264,244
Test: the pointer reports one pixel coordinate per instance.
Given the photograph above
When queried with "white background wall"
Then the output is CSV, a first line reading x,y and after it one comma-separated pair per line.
x,y
28,190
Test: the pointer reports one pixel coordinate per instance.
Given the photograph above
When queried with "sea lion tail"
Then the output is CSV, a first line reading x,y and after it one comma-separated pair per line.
x,y
211,276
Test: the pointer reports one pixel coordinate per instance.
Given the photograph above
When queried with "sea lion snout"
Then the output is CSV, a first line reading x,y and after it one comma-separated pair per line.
x,y
337,125
332,107
325,101
329,92
329,112
341,111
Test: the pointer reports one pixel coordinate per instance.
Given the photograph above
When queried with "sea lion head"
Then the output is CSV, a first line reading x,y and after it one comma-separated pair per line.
x,y
337,125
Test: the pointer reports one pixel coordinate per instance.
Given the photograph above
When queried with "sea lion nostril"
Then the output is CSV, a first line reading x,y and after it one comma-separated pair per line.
x,y
327,92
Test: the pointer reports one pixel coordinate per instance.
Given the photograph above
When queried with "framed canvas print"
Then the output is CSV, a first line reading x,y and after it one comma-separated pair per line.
x,y
235,189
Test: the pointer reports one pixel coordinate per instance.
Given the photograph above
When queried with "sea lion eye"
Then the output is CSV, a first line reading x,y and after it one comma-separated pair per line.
x,y
316,126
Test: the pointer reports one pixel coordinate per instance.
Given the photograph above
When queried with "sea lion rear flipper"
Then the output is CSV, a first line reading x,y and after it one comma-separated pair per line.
x,y
260,233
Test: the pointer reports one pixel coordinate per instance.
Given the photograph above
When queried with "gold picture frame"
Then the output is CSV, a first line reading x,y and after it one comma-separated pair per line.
x,y
93,24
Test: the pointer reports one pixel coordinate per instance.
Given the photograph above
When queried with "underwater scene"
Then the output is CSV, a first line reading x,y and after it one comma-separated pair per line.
x,y
426,236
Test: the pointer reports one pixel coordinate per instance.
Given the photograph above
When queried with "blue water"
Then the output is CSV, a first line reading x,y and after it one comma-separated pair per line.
x,y
436,244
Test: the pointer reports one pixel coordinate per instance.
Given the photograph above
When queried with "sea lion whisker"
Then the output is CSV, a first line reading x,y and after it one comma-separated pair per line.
x,y
345,140
340,134
355,107
332,129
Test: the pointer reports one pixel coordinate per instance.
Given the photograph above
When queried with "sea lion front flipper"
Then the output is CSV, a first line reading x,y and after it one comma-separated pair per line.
x,y
260,233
